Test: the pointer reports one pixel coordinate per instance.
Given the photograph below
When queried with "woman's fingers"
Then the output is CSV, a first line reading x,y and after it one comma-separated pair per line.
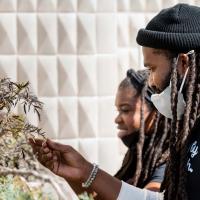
x,y
45,154
52,164
36,142
45,150
42,152
36,150
49,164
47,157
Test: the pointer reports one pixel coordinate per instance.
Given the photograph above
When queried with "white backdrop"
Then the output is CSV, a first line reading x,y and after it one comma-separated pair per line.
x,y
74,53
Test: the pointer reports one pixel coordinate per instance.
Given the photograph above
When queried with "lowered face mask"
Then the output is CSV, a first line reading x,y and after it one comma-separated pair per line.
x,y
162,101
131,139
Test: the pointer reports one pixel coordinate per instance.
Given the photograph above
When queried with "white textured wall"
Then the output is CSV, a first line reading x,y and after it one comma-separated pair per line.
x,y
74,53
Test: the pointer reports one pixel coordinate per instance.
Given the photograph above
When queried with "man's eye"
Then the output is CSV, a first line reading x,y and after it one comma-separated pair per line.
x,y
125,110
150,68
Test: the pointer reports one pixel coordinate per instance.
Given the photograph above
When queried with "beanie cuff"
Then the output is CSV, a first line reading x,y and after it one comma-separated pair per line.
x,y
178,42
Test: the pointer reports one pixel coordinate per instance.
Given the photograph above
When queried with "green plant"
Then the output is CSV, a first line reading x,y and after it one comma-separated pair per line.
x,y
16,188
85,196
17,161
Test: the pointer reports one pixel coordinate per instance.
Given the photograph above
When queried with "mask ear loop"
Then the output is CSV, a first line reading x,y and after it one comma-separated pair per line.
x,y
182,84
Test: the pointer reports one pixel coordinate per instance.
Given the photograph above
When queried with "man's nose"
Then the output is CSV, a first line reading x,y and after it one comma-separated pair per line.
x,y
118,119
151,84
151,81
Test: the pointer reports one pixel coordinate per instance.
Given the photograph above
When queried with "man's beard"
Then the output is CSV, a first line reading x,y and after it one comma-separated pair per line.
x,y
166,82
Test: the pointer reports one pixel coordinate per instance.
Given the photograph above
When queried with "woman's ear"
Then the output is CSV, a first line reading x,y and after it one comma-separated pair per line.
x,y
183,63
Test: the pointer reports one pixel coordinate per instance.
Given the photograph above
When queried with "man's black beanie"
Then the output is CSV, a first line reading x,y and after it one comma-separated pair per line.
x,y
176,28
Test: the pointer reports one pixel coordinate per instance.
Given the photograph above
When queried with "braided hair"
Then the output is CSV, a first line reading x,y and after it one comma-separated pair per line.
x,y
177,30
152,148
175,180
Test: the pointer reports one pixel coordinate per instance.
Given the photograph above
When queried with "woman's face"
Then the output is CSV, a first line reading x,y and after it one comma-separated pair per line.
x,y
128,104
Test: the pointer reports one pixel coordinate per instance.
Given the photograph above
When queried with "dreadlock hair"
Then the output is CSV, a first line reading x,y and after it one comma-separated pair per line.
x,y
174,183
152,148
177,30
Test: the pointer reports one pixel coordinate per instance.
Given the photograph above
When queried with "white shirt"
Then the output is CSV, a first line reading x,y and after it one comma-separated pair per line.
x,y
130,192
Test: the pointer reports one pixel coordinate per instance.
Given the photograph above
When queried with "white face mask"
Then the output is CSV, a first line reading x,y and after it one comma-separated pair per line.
x,y
162,101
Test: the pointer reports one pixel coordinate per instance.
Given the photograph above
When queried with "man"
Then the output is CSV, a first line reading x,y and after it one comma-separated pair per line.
x,y
171,44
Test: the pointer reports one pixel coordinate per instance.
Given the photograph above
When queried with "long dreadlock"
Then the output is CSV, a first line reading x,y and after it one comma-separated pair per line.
x,y
151,150
177,29
176,175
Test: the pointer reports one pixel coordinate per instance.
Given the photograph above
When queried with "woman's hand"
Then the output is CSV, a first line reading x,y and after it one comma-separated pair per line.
x,y
63,160
66,162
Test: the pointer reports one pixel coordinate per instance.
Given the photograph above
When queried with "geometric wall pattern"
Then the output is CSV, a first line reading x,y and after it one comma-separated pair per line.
x,y
74,53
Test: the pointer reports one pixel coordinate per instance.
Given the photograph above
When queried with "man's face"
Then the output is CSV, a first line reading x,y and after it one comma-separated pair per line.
x,y
159,65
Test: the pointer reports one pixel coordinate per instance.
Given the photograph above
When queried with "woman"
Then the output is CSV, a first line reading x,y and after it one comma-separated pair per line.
x,y
144,162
